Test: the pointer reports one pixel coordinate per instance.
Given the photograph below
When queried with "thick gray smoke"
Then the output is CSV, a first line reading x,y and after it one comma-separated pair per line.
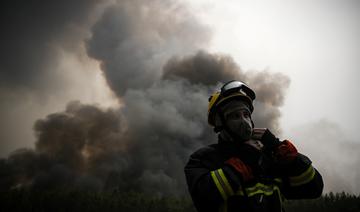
x,y
218,68
78,147
141,147
210,69
149,56
35,37
134,38
31,31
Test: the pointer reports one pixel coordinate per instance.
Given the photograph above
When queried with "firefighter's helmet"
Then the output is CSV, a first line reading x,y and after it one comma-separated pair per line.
x,y
229,91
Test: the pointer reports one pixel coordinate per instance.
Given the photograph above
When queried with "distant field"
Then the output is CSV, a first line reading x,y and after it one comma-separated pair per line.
x,y
68,200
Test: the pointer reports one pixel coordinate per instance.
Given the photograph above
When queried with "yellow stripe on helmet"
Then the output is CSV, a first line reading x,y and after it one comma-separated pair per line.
x,y
212,100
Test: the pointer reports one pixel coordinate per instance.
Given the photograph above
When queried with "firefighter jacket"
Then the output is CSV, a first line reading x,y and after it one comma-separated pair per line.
x,y
214,185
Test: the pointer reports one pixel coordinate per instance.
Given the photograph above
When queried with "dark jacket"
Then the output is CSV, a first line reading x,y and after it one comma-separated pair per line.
x,y
217,186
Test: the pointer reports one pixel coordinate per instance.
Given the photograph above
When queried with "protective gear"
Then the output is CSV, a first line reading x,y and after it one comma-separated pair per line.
x,y
241,130
218,182
236,176
235,119
266,137
286,152
230,90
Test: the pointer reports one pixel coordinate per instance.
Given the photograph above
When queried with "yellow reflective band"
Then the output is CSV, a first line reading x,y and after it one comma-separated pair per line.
x,y
259,188
222,183
303,178
218,185
226,182
278,180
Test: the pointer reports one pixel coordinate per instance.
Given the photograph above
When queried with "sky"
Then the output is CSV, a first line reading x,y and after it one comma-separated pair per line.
x,y
106,69
315,43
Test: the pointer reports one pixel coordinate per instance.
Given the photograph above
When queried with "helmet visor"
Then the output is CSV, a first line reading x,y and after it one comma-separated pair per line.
x,y
237,86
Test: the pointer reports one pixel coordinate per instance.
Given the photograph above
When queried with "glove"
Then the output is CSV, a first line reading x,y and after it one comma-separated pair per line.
x,y
240,167
286,152
266,137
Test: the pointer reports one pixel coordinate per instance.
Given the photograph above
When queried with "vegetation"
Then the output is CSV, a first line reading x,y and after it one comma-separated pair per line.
x,y
329,202
69,200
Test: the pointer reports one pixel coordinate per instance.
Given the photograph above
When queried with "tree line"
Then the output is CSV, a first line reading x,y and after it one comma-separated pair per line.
x,y
71,200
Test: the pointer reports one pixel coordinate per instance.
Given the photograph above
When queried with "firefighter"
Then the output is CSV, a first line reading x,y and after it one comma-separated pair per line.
x,y
249,169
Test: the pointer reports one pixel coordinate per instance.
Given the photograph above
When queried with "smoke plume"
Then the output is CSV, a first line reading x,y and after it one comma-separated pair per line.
x,y
150,58
40,42
32,32
133,39
211,69
77,147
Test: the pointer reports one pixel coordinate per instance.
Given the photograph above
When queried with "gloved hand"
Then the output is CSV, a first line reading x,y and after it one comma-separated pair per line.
x,y
286,152
266,137
240,167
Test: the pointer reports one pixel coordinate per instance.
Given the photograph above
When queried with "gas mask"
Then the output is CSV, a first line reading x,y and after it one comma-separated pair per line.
x,y
236,120
240,129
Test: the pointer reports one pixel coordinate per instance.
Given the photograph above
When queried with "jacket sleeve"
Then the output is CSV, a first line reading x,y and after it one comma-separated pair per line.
x,y
209,188
300,179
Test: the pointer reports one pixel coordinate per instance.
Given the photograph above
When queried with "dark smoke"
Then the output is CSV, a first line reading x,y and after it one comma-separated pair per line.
x,y
270,93
144,145
134,38
204,68
31,32
35,36
78,147
211,69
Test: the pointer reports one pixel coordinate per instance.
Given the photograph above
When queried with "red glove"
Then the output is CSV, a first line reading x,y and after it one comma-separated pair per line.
x,y
286,151
240,167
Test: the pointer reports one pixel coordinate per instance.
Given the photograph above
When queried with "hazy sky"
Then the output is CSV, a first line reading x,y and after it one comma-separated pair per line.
x,y
315,43
98,51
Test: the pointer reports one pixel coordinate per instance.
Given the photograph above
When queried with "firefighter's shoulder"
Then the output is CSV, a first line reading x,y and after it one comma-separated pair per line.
x,y
205,151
